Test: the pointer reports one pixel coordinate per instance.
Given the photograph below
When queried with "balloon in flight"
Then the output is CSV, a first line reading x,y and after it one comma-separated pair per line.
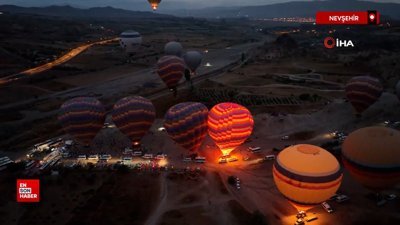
x,y
154,4
306,175
372,156
171,70
362,92
193,60
173,48
82,118
130,41
186,124
134,116
229,125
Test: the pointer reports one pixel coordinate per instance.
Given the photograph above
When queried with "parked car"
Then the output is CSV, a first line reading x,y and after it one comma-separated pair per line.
x,y
327,207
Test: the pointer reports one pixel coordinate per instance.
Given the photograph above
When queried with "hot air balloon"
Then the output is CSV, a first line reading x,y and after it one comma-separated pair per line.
x,y
372,156
154,4
363,91
130,41
229,125
186,124
171,70
134,116
82,118
306,175
398,89
193,60
173,48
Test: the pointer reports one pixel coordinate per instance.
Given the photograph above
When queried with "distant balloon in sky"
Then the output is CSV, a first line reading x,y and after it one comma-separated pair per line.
x,y
173,48
171,70
372,156
306,175
363,91
82,118
130,41
186,124
154,4
134,116
398,89
229,125
193,60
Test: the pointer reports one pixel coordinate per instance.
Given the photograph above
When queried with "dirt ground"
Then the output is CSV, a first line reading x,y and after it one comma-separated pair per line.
x,y
83,197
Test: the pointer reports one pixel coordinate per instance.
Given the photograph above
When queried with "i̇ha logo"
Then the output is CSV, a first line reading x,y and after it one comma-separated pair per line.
x,y
28,190
331,42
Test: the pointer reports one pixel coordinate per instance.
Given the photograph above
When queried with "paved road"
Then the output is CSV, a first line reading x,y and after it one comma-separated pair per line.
x,y
39,69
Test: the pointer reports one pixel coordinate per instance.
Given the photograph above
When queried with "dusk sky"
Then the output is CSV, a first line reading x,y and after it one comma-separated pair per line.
x,y
142,4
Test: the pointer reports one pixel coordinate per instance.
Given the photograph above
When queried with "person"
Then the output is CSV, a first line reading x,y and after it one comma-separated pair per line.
x,y
188,77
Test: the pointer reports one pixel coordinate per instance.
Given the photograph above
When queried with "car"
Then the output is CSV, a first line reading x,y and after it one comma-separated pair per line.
x,y
327,207
391,197
254,149
342,198
286,137
187,159
147,156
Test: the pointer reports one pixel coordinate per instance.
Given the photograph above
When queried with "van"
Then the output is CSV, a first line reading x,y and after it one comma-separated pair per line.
x,y
137,153
148,156
222,160
93,157
327,207
81,157
270,157
254,149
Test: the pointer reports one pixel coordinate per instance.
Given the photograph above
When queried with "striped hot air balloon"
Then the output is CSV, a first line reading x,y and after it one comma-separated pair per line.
x,y
306,175
171,70
229,125
372,156
82,118
134,116
154,4
186,123
363,91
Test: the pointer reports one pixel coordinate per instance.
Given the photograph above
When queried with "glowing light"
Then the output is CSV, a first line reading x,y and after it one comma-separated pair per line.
x,y
162,162
208,64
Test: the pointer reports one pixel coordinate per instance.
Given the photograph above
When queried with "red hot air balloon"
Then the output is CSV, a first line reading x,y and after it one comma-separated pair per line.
x,y
186,123
154,4
82,118
363,91
171,70
134,116
229,125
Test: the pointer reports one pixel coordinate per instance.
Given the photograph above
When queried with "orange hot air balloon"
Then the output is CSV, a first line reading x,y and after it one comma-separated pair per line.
x,y
372,156
306,175
154,4
229,125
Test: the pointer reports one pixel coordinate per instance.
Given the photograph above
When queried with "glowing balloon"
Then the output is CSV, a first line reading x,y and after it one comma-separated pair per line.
x,y
186,123
372,156
130,41
82,118
363,91
306,175
134,116
229,125
154,4
171,70
173,48
193,60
